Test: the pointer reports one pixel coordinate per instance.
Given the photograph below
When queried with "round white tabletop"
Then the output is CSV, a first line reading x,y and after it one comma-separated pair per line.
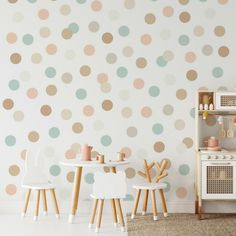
x,y
79,163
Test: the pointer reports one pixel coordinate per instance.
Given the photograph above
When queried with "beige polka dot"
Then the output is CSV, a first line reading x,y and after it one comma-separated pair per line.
x,y
18,115
138,83
93,26
43,14
223,51
111,58
106,169
14,170
96,5
146,112
51,49
77,127
51,90
129,4
181,192
11,37
183,2
76,147
181,94
66,33
66,114
128,51
46,110
168,110
219,30
146,39
106,87
198,31
85,70
107,38
126,112
188,142
141,62
168,11
32,93
102,78
36,58
70,154
184,17
132,132
130,172
15,58
89,50
12,1
44,32
67,77
65,10
107,105
168,163
207,50
168,55
88,110
127,151
191,75
179,124
8,104
211,121
190,57
159,146
70,176
33,136
11,189
150,18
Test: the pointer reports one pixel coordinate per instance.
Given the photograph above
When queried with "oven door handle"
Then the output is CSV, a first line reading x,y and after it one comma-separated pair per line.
x,y
221,164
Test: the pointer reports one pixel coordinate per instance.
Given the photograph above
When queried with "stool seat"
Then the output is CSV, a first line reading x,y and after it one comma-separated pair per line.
x,y
45,186
150,186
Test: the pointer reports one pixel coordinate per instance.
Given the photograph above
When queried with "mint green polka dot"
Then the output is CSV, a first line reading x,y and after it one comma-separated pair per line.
x,y
73,27
122,72
89,178
81,1
50,72
106,140
124,31
32,1
192,112
183,40
167,189
54,132
55,170
128,197
81,94
161,61
157,128
154,91
10,140
217,72
28,39
14,84
184,169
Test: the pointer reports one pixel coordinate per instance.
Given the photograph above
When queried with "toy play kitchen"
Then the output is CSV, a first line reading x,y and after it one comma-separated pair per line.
x,y
215,145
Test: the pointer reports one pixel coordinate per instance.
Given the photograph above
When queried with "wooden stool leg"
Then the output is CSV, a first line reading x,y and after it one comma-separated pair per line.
x,y
145,201
120,214
26,202
37,206
196,207
163,201
55,202
154,206
45,207
114,213
199,208
95,204
136,203
99,220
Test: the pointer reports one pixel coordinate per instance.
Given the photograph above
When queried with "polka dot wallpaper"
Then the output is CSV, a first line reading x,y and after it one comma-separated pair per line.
x,y
119,75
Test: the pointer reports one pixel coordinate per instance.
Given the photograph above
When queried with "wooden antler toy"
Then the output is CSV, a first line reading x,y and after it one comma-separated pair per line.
x,y
162,170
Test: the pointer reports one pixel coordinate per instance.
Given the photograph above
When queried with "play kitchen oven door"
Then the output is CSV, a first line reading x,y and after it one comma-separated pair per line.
x,y
218,179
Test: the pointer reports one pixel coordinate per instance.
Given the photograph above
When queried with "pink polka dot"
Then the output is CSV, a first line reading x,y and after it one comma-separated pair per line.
x,y
223,2
102,78
146,112
88,110
168,11
138,83
146,39
89,50
43,14
96,5
51,49
11,189
127,151
11,37
70,154
32,93
23,154
181,192
190,57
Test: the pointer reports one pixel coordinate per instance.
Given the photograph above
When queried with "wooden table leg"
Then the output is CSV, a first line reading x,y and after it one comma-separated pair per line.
x,y
114,213
145,201
75,195
163,202
26,202
45,207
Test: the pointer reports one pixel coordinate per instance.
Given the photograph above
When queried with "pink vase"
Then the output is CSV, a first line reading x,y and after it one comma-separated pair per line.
x,y
86,152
